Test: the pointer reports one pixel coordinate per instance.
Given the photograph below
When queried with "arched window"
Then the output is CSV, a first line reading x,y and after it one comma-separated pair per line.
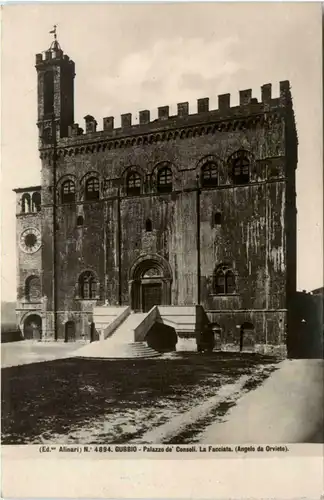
x,y
68,192
148,225
80,220
164,180
88,286
92,189
33,289
209,174
240,165
133,184
25,203
224,281
36,202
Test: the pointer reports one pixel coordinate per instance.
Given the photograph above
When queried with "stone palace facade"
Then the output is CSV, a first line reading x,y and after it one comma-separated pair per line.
x,y
193,208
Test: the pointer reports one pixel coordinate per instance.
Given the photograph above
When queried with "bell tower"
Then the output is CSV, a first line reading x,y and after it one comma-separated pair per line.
x,y
55,92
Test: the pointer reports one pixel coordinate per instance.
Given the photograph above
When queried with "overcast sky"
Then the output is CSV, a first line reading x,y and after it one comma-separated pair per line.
x,y
140,56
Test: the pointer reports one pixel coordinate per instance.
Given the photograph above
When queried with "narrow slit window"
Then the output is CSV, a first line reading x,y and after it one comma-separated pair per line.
x,y
217,218
148,225
80,221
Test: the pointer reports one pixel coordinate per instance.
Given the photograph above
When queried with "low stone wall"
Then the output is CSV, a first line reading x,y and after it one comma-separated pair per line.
x,y
11,336
279,351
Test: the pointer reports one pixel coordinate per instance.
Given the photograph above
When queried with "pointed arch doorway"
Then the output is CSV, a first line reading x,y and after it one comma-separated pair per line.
x,y
150,283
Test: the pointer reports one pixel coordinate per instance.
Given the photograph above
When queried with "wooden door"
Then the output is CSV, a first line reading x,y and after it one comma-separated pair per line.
x,y
151,295
70,331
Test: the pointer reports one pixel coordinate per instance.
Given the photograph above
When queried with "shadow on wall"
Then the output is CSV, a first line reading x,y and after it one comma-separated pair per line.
x,y
162,338
305,337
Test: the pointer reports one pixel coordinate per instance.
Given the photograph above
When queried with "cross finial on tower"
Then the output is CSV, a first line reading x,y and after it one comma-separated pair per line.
x,y
53,31
54,45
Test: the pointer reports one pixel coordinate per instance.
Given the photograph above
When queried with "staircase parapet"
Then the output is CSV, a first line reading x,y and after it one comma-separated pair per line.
x,y
108,318
146,324
184,319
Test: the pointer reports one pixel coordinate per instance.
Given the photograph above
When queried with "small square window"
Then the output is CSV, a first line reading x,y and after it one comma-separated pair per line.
x,y
217,218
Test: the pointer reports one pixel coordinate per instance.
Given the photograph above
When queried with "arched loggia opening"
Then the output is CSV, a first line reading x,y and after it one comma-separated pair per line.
x,y
150,283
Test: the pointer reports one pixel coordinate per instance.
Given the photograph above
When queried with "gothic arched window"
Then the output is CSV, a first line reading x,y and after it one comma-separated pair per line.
x,y
36,202
133,182
224,281
209,174
92,189
25,203
88,286
33,289
240,165
164,180
68,192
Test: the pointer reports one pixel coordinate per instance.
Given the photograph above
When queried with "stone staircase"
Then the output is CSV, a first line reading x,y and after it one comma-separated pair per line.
x,y
122,351
121,344
123,332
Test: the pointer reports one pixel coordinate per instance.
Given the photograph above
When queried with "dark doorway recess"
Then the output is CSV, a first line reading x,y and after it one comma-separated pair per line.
x,y
247,337
33,327
70,331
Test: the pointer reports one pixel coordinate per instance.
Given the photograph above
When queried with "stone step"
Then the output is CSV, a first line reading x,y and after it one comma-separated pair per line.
x,y
105,350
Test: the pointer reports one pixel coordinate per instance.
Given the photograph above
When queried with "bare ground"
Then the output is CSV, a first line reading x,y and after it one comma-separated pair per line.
x,y
121,401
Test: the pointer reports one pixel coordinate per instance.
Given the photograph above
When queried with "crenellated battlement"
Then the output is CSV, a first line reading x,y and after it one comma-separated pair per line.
x,y
248,105
248,113
53,55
